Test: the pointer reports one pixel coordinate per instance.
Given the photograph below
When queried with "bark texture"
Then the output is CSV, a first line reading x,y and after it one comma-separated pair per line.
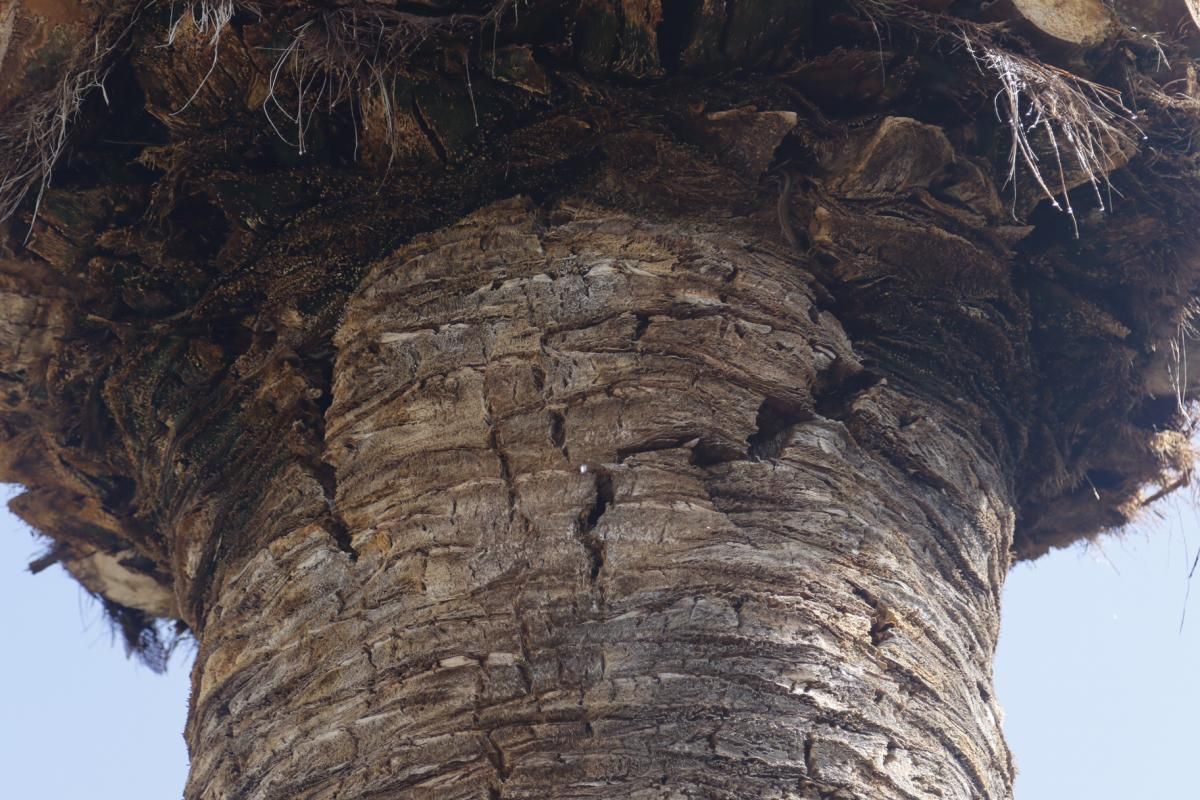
x,y
597,398
595,539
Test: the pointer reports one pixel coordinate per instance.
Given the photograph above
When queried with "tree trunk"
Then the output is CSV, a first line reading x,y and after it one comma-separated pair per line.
x,y
620,399
593,538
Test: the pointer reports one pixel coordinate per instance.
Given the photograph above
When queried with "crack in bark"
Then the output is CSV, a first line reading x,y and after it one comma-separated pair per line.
x,y
326,475
493,441
772,429
558,433
838,386
643,322
592,543
686,442
525,665
496,757
883,617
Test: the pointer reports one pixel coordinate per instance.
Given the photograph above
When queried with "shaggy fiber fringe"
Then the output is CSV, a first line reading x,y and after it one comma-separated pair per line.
x,y
35,132
335,56
331,58
1086,126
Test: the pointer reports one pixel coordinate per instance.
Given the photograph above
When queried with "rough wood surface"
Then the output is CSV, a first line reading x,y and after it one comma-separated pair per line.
x,y
605,398
599,542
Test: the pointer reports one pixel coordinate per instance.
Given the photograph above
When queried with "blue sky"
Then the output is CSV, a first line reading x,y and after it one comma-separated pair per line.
x,y
1099,684
1098,681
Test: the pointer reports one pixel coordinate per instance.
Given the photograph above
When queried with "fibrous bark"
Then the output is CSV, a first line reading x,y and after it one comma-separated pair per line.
x,y
595,539
591,399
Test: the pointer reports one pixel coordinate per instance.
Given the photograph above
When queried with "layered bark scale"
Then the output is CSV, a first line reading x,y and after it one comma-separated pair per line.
x,y
646,402
602,543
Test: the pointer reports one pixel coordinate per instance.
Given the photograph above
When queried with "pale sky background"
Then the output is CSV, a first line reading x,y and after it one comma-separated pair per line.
x,y
1099,684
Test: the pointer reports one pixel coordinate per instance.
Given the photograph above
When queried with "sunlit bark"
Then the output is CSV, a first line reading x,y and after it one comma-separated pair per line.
x,y
591,399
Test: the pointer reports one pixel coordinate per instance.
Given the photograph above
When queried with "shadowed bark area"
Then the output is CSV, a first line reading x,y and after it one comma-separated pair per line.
x,y
591,399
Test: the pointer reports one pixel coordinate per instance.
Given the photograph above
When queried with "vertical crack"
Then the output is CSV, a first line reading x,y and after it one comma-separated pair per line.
x,y
326,475
502,457
525,666
319,371
558,433
643,322
592,543
496,757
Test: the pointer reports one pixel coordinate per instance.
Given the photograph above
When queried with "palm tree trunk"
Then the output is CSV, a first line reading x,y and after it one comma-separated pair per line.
x,y
608,524
614,399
